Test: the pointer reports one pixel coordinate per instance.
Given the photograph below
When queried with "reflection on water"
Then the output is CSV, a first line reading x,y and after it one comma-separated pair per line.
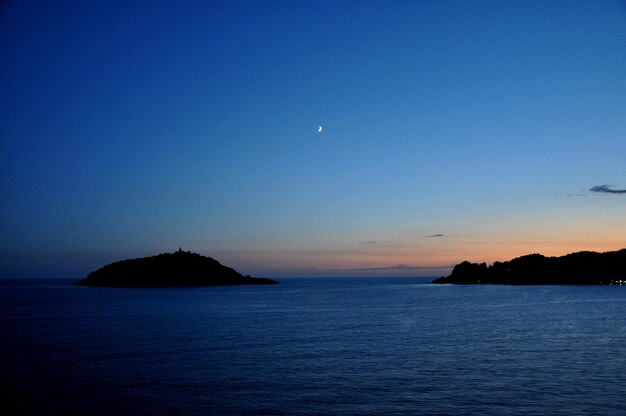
x,y
314,346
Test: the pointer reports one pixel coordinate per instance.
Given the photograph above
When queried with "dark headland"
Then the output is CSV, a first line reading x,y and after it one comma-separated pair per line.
x,y
181,268
582,268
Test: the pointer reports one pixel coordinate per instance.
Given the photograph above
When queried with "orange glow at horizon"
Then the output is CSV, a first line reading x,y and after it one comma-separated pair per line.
x,y
427,257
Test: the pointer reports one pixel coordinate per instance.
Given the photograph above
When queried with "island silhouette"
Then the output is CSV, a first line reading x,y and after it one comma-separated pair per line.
x,y
181,268
582,268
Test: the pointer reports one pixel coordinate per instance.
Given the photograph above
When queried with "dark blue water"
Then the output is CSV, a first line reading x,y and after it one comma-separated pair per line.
x,y
314,347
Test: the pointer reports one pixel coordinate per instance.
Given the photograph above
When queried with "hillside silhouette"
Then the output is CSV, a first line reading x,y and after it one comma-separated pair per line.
x,y
582,268
181,268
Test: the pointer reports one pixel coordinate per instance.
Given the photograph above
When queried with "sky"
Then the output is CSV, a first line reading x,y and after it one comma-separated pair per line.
x,y
452,131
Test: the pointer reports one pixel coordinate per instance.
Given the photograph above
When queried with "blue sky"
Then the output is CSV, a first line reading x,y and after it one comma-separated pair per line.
x,y
133,129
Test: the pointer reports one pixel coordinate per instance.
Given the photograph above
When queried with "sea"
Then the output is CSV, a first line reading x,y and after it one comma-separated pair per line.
x,y
314,346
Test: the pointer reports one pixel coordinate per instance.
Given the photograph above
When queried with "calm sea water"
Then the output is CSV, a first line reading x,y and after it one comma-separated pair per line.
x,y
313,347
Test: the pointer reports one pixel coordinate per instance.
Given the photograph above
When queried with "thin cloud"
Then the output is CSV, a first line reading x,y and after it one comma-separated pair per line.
x,y
434,236
606,189
374,243
403,267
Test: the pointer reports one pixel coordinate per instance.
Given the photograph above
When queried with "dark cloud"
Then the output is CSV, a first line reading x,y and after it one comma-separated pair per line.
x,y
434,236
606,189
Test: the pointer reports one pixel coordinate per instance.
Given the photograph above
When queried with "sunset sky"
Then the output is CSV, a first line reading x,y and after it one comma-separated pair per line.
x,y
452,130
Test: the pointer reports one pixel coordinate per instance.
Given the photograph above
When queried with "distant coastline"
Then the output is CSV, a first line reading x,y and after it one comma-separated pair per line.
x,y
181,268
582,268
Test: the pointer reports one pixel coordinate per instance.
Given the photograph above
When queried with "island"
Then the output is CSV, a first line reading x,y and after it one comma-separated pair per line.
x,y
582,268
178,269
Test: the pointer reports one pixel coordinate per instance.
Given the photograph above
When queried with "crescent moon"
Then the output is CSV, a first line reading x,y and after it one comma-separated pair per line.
x,y
319,129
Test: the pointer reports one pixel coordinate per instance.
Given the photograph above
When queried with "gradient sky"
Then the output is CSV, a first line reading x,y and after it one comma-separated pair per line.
x,y
453,130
